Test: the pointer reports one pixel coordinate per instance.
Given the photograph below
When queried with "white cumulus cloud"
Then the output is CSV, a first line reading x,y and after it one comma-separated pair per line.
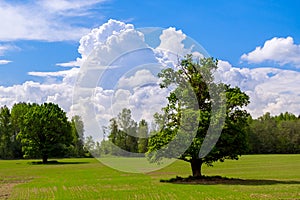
x,y
37,93
110,41
279,50
171,40
270,89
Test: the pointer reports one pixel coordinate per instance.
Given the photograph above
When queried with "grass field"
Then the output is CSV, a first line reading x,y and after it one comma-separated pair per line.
x,y
266,177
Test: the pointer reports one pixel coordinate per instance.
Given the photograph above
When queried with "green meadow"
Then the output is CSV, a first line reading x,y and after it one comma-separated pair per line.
x,y
264,177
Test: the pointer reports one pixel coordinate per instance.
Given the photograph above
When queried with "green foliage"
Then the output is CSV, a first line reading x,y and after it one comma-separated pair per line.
x,y
89,146
275,134
28,127
142,133
46,131
6,134
127,132
10,124
125,136
18,112
76,148
190,104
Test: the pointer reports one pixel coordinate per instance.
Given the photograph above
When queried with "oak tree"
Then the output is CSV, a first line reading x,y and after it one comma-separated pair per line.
x,y
188,116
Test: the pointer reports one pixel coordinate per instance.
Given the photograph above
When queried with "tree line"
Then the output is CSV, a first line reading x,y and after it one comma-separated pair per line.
x,y
279,134
40,131
265,135
274,134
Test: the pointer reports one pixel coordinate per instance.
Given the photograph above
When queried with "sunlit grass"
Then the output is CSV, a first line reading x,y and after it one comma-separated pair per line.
x,y
89,179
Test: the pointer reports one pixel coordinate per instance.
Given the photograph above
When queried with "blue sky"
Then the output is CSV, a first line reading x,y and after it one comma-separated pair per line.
x,y
255,40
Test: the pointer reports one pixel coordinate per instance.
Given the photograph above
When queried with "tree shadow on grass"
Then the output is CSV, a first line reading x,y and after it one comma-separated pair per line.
x,y
216,180
55,162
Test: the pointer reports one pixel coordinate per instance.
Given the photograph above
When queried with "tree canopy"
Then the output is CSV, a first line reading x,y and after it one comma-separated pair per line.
x,y
45,131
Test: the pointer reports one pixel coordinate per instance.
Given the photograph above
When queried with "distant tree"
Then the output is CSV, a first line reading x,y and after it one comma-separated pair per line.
x,y
142,133
89,146
6,134
45,131
105,148
114,131
126,135
18,112
116,137
196,78
128,128
285,117
77,128
262,135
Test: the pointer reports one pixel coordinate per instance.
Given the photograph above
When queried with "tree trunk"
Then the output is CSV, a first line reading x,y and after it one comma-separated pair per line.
x,y
196,167
45,159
